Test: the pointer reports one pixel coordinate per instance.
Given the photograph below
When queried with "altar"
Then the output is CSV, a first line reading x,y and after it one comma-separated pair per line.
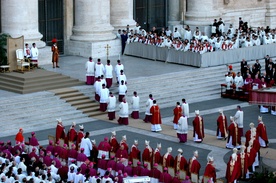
x,y
264,96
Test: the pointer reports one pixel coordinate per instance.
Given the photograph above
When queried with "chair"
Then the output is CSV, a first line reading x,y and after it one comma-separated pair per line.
x,y
21,60
5,68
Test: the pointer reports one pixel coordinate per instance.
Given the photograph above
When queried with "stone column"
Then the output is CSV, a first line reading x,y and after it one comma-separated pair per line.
x,y
92,21
201,12
21,18
121,12
174,14
270,16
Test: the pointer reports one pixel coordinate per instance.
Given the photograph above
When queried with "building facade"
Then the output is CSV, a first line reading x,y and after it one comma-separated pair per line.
x,y
85,27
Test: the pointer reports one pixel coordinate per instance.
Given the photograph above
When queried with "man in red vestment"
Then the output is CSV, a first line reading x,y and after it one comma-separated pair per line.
x,y
147,154
194,165
180,163
60,130
243,160
80,136
168,160
157,158
104,148
156,118
113,143
261,133
72,133
233,169
234,140
134,152
210,170
124,143
198,128
19,136
33,140
222,126
177,112
248,133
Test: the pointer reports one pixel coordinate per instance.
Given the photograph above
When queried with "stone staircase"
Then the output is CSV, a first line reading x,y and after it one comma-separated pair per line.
x,y
35,80
78,100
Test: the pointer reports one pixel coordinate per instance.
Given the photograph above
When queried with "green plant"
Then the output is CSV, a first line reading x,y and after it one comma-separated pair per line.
x,y
264,177
3,49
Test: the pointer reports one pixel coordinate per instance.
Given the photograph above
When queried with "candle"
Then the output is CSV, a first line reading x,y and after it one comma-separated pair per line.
x,y
182,16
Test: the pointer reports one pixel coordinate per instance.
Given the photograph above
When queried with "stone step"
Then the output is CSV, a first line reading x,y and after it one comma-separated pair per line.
x,y
95,113
80,102
90,105
82,97
63,91
69,95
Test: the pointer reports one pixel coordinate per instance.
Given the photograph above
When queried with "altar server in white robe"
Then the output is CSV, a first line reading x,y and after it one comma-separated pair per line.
x,y
99,68
111,106
185,108
123,113
117,70
239,119
135,102
90,71
108,74
104,94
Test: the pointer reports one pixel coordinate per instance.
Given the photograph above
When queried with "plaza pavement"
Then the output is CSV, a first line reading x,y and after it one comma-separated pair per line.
x,y
135,68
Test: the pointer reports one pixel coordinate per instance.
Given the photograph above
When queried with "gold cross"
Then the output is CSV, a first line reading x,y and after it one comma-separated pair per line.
x,y
107,51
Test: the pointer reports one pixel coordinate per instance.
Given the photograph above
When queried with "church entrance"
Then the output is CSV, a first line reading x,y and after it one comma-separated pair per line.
x,y
51,22
150,13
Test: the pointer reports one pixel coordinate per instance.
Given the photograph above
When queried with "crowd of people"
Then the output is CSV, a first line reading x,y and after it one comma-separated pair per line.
x,y
221,39
251,78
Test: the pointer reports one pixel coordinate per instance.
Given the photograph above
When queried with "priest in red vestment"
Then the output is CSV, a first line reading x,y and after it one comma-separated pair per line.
x,y
194,165
80,136
168,160
134,152
222,126
261,133
243,159
19,136
210,170
157,158
180,163
198,125
234,140
156,118
72,133
155,174
248,133
177,112
124,143
233,170
113,143
147,154
60,130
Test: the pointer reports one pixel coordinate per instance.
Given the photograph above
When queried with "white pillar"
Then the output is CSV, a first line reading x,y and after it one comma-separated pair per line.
x,y
121,14
92,21
201,12
174,16
270,16
21,18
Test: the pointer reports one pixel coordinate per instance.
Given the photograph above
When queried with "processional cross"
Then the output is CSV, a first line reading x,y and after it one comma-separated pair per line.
x,y
107,51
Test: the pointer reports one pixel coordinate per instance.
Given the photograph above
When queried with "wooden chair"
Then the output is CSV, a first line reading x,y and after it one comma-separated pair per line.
x,y
61,142
21,63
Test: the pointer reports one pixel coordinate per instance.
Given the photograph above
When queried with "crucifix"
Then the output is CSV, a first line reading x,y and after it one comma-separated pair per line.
x,y
107,51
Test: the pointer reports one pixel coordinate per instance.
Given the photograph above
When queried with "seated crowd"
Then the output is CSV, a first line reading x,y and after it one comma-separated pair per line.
x,y
222,39
250,78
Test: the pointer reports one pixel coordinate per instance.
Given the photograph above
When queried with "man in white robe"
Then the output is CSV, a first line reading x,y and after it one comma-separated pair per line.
x,y
123,113
148,115
99,68
90,71
135,100
229,81
111,106
86,144
122,77
34,53
108,74
104,94
117,69
182,129
185,108
239,119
